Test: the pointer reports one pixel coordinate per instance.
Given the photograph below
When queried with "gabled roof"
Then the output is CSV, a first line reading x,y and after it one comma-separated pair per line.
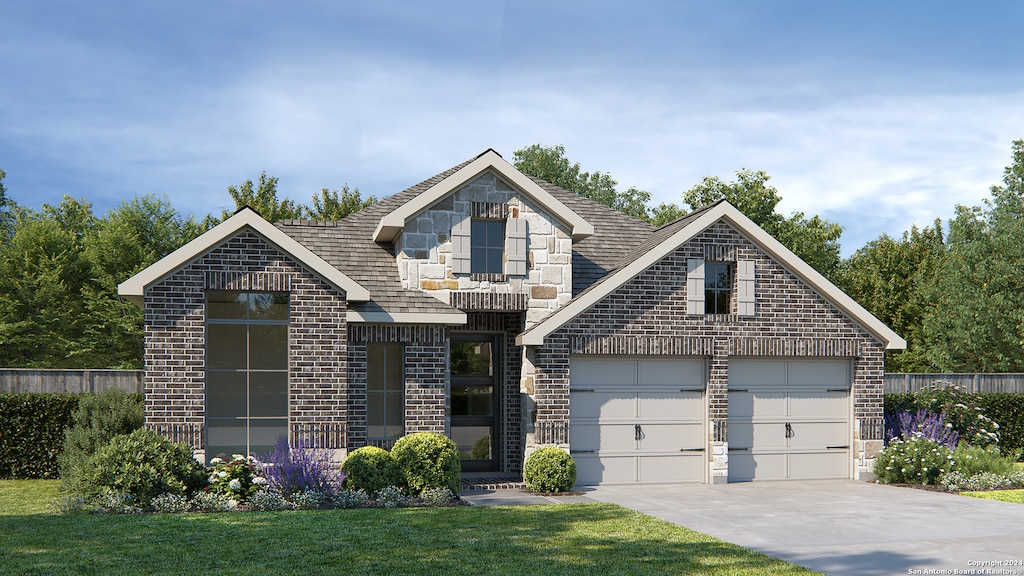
x,y
668,238
392,223
134,288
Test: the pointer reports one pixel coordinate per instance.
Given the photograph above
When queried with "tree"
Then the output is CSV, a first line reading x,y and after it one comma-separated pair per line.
x,y
7,207
814,239
335,204
263,199
664,213
550,164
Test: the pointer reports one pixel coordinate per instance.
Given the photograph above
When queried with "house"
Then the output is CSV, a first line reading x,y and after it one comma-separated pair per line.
x,y
508,313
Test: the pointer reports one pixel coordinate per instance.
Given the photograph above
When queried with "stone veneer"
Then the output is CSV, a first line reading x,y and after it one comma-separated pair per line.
x,y
174,313
647,316
424,249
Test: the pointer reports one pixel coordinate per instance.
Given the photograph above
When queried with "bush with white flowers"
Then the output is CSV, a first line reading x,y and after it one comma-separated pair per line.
x,y
238,478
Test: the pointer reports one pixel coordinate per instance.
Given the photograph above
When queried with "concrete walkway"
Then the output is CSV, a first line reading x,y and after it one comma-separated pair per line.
x,y
836,527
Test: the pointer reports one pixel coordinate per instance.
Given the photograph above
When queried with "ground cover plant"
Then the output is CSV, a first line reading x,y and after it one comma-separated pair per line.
x,y
1015,496
558,539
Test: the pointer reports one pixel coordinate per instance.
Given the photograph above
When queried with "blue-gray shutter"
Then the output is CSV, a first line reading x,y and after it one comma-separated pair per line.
x,y
462,236
745,288
695,287
515,247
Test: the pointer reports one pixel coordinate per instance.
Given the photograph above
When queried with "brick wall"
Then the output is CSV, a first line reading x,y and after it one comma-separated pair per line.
x,y
175,334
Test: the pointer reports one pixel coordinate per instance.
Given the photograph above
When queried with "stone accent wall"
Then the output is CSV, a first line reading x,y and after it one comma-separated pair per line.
x,y
426,376
647,316
424,248
174,315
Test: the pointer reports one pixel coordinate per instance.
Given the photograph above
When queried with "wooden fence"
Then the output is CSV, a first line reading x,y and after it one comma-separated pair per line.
x,y
899,383
17,380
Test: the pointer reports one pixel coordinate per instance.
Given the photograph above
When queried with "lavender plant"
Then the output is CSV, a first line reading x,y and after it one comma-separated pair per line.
x,y
297,469
921,424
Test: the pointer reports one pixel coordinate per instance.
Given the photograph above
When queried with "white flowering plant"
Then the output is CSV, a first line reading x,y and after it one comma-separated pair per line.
x,y
914,460
238,478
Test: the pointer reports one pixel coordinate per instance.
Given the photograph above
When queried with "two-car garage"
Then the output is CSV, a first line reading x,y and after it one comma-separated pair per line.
x,y
645,419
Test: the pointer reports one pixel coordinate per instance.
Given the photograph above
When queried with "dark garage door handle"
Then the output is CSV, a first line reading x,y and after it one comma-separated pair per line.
x,y
837,447
731,449
691,449
581,451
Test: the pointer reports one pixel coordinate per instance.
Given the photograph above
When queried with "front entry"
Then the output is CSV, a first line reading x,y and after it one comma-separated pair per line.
x,y
475,381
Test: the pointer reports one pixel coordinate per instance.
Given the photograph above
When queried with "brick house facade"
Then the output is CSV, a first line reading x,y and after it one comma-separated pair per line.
x,y
570,337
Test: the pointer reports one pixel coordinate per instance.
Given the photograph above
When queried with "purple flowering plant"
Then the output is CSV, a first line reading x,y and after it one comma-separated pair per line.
x,y
296,469
922,424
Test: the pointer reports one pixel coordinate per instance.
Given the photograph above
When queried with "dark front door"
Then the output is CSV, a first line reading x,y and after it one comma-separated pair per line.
x,y
475,378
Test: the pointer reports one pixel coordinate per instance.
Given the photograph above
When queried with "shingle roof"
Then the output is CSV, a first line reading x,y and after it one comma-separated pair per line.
x,y
347,244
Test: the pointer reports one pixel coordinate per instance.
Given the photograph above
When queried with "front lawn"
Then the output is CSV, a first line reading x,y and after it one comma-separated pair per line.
x,y
22,497
1016,496
561,539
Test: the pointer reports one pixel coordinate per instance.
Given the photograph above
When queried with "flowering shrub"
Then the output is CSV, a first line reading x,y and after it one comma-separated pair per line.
x,y
171,503
269,501
114,502
437,496
213,502
350,499
238,478
960,409
971,460
920,423
309,499
960,482
393,497
915,460
295,470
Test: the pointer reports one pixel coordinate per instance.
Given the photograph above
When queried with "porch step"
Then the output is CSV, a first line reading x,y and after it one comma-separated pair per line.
x,y
493,482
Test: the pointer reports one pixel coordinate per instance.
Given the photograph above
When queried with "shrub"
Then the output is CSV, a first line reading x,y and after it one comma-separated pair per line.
x,y
971,460
98,418
350,499
269,501
115,502
32,427
171,503
920,423
213,502
428,460
915,460
295,470
371,468
959,408
481,448
238,478
309,499
143,464
393,497
549,469
437,496
1007,409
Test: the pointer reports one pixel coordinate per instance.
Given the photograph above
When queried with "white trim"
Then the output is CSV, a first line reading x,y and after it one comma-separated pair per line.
x,y
458,318
393,223
134,288
774,249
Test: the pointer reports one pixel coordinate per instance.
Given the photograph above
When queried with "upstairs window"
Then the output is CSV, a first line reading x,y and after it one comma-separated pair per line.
x,y
717,287
487,246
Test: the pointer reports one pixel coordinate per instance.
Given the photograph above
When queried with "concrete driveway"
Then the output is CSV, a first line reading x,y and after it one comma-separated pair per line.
x,y
844,526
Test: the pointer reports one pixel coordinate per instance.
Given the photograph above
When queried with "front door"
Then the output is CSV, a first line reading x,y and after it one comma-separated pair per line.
x,y
475,370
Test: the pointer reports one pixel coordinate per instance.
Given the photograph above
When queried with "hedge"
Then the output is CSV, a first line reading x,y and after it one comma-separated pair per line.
x,y
32,433
1006,408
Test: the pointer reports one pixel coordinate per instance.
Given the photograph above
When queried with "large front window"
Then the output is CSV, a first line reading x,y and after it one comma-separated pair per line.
x,y
246,371
487,246
385,392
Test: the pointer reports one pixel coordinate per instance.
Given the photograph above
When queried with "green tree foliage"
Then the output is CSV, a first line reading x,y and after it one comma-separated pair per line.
x,y
6,211
664,213
337,204
262,197
814,239
550,164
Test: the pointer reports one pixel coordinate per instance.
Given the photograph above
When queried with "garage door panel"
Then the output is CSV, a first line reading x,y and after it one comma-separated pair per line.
x,y
597,372
671,372
756,404
603,437
827,373
744,467
605,405
671,437
677,406
591,469
684,468
753,374
831,464
818,405
818,434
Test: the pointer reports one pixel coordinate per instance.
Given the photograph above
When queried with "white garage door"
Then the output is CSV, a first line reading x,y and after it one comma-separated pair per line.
x,y
789,419
637,420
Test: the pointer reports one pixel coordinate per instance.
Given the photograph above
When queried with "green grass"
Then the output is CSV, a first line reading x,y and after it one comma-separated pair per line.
x,y
1016,496
561,539
22,497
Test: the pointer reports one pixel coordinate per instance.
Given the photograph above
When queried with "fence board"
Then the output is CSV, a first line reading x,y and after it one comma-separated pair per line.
x,y
901,383
19,380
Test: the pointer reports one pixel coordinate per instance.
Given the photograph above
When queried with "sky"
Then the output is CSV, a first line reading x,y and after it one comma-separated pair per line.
x,y
877,115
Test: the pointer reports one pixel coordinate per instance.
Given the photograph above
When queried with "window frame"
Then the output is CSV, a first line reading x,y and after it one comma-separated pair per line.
x,y
489,264
714,290
394,353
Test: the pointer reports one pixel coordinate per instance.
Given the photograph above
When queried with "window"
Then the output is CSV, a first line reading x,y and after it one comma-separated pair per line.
x,y
246,371
385,392
487,246
717,287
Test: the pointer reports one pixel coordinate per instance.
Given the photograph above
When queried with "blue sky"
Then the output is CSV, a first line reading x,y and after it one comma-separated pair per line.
x,y
876,115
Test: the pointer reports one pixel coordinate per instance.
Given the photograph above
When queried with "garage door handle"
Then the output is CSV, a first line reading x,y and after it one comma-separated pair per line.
x,y
738,390
836,447
691,449
789,430
582,451
581,389
731,449
691,390
638,433
836,390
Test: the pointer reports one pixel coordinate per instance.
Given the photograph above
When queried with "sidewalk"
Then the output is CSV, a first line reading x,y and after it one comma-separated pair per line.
x,y
515,497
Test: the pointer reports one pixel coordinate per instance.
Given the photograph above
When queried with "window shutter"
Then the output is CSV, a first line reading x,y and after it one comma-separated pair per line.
x,y
745,287
695,288
462,246
515,247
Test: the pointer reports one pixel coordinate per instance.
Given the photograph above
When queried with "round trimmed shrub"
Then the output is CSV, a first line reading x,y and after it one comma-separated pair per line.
x,y
549,469
143,464
428,460
371,468
915,460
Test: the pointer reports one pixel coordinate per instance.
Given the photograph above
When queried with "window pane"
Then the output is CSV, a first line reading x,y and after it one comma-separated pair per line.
x,y
268,394
227,305
478,232
395,376
495,233
375,415
264,434
225,346
268,306
474,442
376,369
494,260
472,400
394,414
225,394
268,347
224,438
471,359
